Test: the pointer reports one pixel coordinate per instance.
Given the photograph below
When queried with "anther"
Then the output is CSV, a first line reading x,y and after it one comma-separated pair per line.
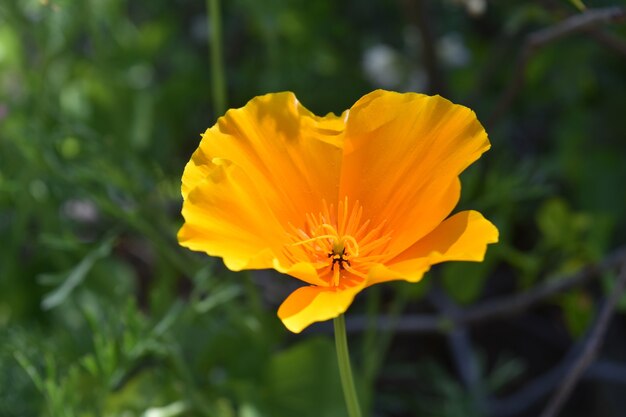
x,y
339,258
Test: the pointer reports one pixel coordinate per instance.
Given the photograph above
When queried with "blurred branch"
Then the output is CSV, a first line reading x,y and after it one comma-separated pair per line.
x,y
590,348
494,309
417,13
605,370
461,349
536,40
526,397
583,350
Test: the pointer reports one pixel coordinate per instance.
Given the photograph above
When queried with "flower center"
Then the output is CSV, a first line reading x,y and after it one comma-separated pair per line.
x,y
340,245
339,257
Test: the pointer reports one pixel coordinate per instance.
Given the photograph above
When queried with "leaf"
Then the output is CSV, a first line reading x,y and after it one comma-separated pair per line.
x,y
579,5
219,296
554,219
303,381
578,309
75,276
464,281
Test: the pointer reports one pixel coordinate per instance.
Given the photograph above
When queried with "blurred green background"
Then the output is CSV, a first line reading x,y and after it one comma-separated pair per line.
x,y
102,103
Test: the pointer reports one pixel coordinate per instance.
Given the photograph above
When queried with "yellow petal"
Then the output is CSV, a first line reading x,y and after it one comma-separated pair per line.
x,y
225,216
462,237
293,156
260,169
402,156
301,270
311,304
412,271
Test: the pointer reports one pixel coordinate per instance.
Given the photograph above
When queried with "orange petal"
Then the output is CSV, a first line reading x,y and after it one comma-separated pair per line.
x,y
304,271
412,271
293,156
402,156
225,216
462,237
311,304
259,169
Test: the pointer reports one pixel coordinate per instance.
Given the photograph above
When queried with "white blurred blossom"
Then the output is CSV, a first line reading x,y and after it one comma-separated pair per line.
x,y
382,66
82,211
452,50
174,409
474,8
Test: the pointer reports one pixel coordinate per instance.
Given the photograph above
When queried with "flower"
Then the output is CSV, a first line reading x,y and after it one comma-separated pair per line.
x,y
339,202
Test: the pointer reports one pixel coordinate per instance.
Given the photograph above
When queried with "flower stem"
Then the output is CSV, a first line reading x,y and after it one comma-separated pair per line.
x,y
217,65
345,370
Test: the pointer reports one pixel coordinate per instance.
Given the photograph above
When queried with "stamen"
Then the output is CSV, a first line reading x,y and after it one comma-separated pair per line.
x,y
313,239
338,243
336,276
354,250
355,218
328,228
355,272
344,216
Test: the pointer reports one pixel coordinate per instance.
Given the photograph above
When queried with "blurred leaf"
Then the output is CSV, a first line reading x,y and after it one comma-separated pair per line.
x,y
412,290
75,276
525,14
16,380
464,281
578,238
505,371
304,381
579,5
554,220
578,308
218,296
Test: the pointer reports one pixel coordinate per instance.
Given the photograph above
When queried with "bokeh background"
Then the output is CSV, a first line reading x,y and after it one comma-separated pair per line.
x,y
102,103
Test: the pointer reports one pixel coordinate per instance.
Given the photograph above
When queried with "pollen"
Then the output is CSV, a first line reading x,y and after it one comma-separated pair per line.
x,y
339,243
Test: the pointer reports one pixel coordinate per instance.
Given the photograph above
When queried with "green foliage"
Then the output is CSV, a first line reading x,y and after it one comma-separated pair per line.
x,y
578,310
101,105
464,281
438,393
303,381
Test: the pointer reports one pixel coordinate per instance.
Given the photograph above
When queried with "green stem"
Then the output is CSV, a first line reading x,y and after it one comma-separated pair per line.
x,y
217,65
345,370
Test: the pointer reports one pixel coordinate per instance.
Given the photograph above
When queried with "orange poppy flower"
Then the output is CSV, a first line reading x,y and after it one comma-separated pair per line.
x,y
339,202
